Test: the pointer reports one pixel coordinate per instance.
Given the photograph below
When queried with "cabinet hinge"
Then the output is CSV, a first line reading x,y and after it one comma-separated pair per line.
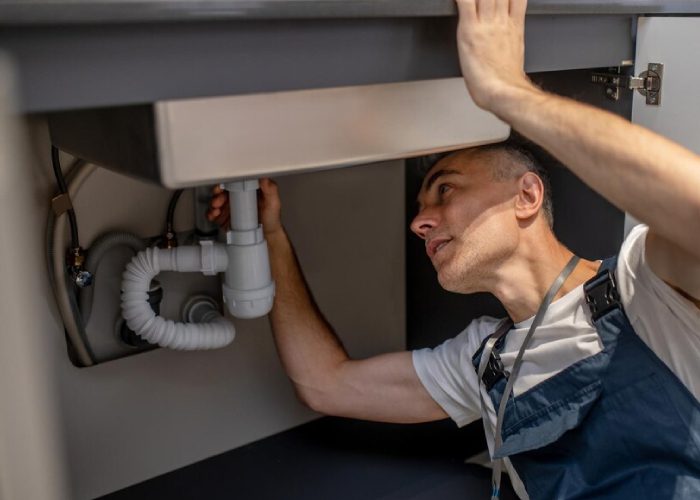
x,y
648,83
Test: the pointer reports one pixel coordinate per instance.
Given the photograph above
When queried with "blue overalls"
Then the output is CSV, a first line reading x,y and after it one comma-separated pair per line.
x,y
616,425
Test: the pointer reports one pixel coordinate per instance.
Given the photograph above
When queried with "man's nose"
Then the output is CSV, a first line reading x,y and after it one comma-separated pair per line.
x,y
423,223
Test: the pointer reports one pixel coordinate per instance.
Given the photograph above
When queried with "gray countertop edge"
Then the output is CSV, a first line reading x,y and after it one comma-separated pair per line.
x,y
47,12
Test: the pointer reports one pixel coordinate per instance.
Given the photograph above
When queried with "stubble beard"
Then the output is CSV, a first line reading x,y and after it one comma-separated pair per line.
x,y
464,272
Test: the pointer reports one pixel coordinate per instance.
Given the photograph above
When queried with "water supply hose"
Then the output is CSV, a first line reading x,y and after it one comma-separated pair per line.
x,y
56,238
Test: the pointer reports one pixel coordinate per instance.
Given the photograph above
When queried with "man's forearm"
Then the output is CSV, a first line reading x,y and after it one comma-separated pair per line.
x,y
641,172
309,350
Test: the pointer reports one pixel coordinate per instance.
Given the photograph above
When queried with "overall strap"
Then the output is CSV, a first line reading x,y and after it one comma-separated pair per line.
x,y
486,355
490,366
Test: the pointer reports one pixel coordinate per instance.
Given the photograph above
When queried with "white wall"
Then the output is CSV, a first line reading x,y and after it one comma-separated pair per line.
x,y
128,420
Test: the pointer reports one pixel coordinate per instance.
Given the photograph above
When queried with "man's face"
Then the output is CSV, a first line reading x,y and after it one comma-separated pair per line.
x,y
466,219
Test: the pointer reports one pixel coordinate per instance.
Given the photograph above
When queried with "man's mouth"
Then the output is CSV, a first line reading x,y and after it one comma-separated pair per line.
x,y
435,245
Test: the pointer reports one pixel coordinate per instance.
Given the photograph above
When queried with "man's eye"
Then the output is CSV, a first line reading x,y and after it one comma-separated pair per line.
x,y
443,188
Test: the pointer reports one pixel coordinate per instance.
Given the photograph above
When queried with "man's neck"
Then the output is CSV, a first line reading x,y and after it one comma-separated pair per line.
x,y
523,280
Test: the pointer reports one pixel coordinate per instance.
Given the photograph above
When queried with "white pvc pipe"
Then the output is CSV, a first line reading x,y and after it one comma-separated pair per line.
x,y
208,259
243,203
248,287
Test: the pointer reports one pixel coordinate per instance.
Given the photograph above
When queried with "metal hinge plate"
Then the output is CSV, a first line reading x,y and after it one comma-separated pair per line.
x,y
648,83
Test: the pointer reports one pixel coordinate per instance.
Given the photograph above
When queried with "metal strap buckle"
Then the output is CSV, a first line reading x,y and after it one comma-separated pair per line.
x,y
494,371
602,294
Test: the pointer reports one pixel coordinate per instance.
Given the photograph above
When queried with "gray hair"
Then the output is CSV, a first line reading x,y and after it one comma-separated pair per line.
x,y
520,160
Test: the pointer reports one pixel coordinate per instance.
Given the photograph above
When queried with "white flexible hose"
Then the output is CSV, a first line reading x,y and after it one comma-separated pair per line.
x,y
208,259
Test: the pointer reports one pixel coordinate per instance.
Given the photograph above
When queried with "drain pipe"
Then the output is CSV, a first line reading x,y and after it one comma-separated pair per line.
x,y
248,289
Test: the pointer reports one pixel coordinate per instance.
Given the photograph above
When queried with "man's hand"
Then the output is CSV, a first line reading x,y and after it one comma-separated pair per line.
x,y
269,206
490,39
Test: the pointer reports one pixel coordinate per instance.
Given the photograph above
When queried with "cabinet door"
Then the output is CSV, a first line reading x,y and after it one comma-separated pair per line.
x,y
675,43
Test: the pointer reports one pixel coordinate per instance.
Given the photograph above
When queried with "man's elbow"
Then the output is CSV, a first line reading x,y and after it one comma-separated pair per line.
x,y
321,391
313,398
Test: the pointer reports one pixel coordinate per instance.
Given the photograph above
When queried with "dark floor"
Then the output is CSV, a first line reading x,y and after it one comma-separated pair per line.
x,y
337,459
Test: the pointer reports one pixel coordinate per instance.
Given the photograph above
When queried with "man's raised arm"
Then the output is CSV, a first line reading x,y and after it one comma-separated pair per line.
x,y
641,172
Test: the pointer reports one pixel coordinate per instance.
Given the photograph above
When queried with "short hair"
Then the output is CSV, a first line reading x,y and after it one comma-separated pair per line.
x,y
520,160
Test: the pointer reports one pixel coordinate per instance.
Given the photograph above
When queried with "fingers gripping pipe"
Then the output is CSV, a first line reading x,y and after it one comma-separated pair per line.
x,y
248,288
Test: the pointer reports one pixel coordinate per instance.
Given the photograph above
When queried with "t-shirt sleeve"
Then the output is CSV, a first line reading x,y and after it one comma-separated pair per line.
x,y
449,376
665,320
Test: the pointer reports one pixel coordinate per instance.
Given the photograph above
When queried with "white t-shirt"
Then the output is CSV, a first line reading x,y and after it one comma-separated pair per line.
x,y
666,321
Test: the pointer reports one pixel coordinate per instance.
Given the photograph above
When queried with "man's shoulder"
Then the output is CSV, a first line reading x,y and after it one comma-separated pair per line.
x,y
632,248
480,328
630,263
482,322
470,338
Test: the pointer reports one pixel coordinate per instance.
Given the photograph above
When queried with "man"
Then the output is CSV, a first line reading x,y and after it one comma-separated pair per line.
x,y
604,401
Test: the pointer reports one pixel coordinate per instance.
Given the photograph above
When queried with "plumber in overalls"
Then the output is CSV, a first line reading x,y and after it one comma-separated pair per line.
x,y
590,387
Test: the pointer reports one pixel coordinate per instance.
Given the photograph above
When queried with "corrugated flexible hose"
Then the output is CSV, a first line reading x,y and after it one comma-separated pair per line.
x,y
146,265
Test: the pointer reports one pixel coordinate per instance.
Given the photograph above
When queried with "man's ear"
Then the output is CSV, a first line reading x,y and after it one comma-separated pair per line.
x,y
529,197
